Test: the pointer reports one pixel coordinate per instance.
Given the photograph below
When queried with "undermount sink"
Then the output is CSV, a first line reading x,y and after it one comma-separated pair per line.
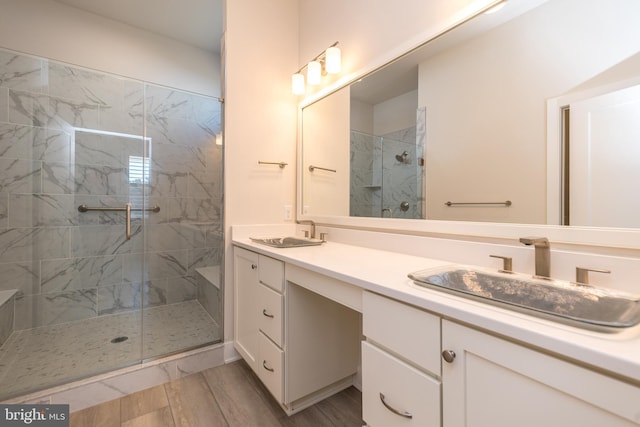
x,y
579,305
287,242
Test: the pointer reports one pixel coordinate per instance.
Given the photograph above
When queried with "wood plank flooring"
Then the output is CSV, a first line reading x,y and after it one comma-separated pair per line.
x,y
228,395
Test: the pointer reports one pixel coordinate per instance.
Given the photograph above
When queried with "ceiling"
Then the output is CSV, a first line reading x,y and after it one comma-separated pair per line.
x,y
194,22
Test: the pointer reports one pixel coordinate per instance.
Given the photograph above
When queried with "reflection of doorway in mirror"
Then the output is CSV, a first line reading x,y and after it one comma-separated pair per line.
x,y
605,160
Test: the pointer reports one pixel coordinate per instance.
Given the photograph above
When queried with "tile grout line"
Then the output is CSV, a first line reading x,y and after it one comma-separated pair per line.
x,y
226,420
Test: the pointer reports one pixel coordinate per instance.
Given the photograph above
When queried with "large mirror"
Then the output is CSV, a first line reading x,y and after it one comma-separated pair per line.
x,y
528,115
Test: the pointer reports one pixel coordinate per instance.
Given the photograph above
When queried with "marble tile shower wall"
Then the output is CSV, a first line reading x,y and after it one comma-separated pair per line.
x,y
378,180
69,136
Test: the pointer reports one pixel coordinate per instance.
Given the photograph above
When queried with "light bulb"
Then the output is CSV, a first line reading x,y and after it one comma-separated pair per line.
x,y
297,84
332,58
314,72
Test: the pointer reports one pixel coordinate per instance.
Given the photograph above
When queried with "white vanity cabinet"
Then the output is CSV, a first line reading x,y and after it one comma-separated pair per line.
x,y
495,382
246,301
303,346
400,364
259,286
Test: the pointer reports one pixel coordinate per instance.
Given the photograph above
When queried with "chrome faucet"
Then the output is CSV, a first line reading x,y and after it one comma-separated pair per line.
x,y
543,256
312,227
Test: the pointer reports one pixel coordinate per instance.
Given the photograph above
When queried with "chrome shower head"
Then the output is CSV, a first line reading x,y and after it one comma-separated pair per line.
x,y
402,158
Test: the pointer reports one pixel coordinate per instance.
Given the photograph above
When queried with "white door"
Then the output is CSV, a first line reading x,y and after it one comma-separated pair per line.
x,y
605,160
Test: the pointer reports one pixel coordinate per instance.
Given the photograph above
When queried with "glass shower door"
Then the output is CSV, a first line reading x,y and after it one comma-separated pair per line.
x,y
183,243
67,135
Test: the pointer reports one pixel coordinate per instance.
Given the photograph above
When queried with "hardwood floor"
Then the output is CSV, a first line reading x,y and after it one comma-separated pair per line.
x,y
228,395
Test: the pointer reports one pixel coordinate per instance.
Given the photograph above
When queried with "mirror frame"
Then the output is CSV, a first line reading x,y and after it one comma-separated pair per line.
x,y
604,237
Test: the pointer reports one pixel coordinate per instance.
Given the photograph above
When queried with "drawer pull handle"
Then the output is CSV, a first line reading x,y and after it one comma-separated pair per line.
x,y
394,410
264,313
448,356
253,266
264,365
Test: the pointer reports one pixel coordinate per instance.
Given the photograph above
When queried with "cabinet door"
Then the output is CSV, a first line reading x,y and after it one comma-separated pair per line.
x,y
497,383
396,394
246,305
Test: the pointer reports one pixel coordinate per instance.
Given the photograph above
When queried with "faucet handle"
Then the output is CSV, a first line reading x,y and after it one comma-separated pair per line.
x,y
306,233
582,274
323,236
507,263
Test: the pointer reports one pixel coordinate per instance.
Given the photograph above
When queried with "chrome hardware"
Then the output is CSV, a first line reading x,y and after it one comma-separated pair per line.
x,y
128,221
404,206
449,356
281,164
264,365
126,209
312,168
582,274
312,227
505,203
394,410
264,313
402,158
543,255
306,233
253,266
85,208
507,263
323,236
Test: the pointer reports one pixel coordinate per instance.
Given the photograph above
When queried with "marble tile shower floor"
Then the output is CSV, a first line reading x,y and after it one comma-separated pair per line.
x,y
44,357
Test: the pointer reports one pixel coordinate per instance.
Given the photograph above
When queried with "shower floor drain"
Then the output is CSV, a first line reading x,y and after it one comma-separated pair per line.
x,y
119,340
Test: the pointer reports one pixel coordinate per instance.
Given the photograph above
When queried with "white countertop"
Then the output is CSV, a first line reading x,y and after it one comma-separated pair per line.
x,y
386,272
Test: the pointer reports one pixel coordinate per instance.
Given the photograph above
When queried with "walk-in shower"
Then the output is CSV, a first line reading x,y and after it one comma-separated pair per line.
x,y
110,222
386,176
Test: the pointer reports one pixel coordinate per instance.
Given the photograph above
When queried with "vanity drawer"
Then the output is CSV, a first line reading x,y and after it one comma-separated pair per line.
x,y
407,331
271,273
270,313
271,366
403,388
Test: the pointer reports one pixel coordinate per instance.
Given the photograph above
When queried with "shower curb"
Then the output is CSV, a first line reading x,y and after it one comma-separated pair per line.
x,y
115,384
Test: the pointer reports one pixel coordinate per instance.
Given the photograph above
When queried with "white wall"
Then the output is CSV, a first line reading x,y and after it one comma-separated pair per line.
x,y
395,114
55,31
260,118
326,132
361,116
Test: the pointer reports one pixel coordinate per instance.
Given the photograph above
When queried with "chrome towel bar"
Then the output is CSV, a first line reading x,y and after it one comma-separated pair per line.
x,y
506,203
126,208
281,164
312,168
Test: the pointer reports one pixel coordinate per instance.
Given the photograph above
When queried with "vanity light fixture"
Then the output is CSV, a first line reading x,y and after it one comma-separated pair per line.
x,y
328,62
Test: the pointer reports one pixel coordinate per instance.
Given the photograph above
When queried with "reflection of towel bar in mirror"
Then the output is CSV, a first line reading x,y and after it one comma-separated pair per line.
x,y
507,203
312,168
281,164
126,208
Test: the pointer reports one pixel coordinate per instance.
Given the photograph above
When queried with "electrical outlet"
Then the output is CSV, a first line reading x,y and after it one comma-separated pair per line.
x,y
287,212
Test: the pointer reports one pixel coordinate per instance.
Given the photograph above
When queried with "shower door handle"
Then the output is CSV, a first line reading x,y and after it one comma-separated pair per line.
x,y
127,209
128,221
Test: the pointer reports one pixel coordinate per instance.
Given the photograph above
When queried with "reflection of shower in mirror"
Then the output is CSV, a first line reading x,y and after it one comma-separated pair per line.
x,y
402,158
